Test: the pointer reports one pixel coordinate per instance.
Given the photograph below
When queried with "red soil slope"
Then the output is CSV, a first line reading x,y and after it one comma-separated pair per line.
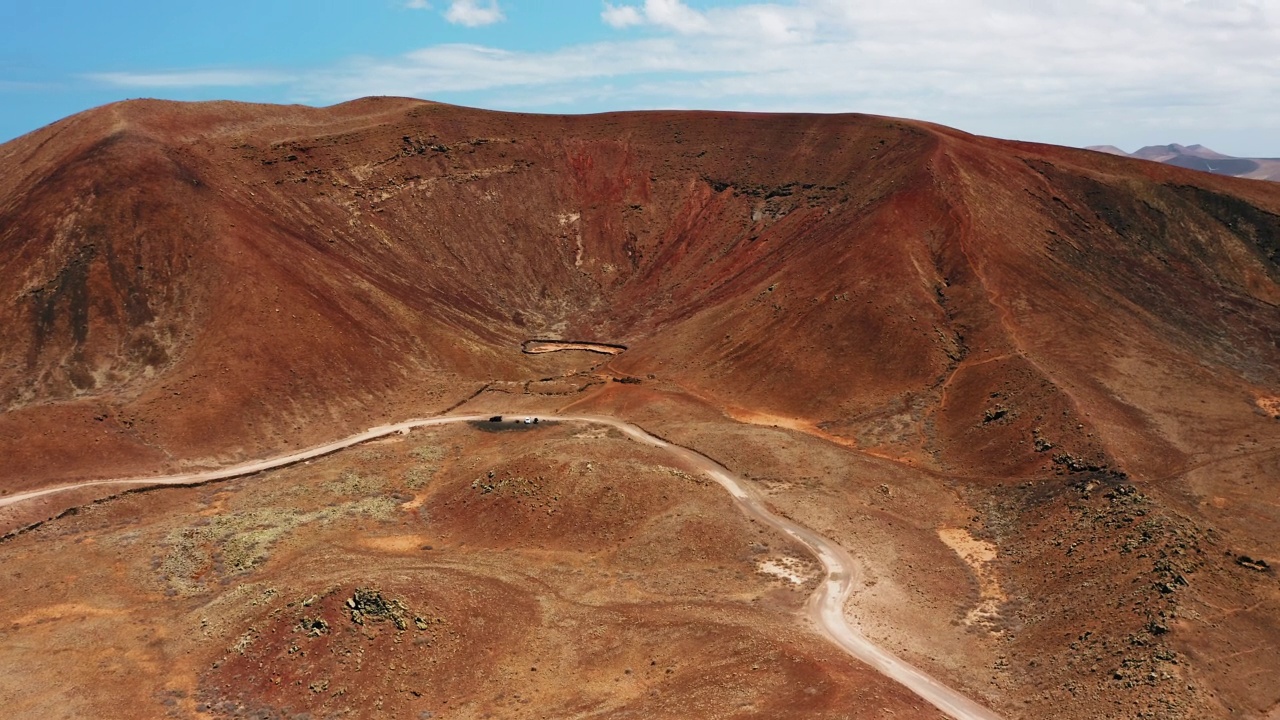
x,y
1086,349
191,281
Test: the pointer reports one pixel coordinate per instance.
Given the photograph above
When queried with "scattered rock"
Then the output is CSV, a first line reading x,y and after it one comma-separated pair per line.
x,y
369,604
1077,465
314,627
1253,564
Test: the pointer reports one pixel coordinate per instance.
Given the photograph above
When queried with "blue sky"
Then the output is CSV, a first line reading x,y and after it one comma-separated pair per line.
x,y
1078,72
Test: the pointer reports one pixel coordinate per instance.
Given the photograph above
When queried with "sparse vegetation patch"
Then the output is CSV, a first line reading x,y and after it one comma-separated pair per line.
x,y
236,543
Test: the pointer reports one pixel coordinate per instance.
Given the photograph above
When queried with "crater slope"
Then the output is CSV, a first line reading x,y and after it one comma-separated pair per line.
x,y
1034,389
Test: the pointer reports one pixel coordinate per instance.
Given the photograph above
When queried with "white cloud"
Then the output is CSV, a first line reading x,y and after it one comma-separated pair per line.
x,y
1081,72
192,79
675,15
778,22
621,16
465,68
21,85
963,52
417,5
474,13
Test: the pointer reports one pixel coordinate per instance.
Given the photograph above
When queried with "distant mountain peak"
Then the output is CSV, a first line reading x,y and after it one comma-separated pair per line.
x,y
1199,157
1108,149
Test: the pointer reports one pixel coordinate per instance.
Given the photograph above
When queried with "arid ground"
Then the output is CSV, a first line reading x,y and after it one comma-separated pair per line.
x,y
1033,392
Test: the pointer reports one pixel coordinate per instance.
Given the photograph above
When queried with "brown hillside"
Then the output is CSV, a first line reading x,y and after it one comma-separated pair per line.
x,y
218,280
1073,356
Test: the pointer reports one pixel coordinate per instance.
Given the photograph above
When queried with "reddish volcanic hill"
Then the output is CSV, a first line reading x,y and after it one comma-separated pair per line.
x,y
1084,348
216,280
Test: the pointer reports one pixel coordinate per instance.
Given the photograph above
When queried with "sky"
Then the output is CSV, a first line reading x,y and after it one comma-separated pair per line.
x,y
1069,72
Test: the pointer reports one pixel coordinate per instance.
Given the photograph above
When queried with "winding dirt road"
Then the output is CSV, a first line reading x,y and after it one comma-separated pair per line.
x,y
252,467
825,607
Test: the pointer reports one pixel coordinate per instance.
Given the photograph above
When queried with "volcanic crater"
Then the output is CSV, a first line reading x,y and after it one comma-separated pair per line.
x,y
1028,389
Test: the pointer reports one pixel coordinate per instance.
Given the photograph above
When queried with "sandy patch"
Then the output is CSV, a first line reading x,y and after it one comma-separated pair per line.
x,y
63,611
218,506
396,543
415,503
979,556
536,347
593,432
788,569
1269,405
752,417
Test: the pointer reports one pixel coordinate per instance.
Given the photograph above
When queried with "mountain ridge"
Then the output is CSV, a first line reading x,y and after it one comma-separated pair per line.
x,y
1074,355
1199,157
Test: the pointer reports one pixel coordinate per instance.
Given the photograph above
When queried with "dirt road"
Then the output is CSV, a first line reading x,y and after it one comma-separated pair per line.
x,y
825,607
252,467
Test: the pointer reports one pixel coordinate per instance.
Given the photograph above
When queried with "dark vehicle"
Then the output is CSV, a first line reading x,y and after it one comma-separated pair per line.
x,y
496,418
